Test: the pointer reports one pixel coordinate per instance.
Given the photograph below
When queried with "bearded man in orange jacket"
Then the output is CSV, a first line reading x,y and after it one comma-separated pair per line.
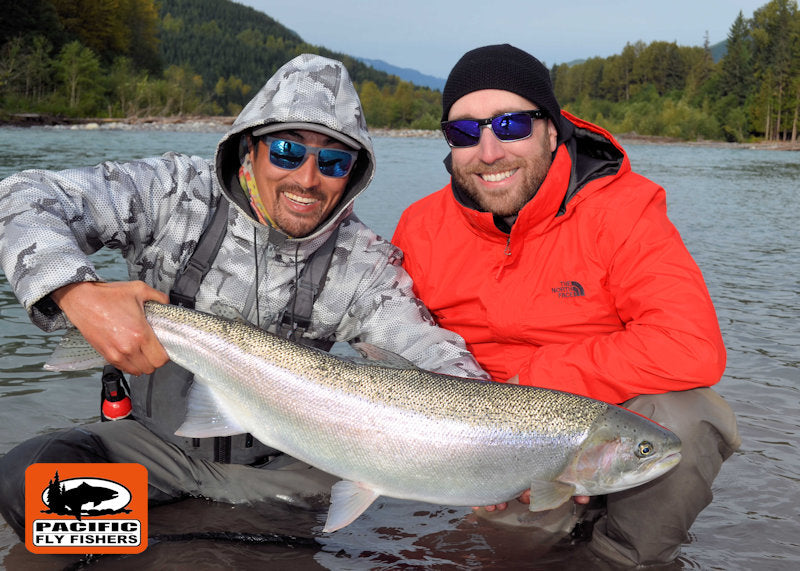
x,y
558,266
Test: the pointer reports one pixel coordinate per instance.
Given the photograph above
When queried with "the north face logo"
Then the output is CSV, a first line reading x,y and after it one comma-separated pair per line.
x,y
569,289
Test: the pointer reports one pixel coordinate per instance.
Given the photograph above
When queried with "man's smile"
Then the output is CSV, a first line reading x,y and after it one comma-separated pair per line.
x,y
497,176
303,200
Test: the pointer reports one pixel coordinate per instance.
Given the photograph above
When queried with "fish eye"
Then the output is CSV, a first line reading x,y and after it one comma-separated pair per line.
x,y
644,449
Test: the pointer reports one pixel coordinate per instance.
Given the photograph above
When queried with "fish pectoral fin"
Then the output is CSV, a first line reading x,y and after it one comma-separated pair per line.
x,y
74,353
376,356
205,416
546,495
348,501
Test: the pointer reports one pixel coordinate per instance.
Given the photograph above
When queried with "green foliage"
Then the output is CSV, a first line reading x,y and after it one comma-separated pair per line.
x,y
674,91
214,55
649,114
775,31
78,68
31,18
128,58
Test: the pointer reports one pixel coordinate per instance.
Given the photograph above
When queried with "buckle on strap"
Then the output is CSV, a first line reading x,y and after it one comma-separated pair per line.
x,y
180,299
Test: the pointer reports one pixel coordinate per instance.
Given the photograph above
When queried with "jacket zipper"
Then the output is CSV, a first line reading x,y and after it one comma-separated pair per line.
x,y
506,256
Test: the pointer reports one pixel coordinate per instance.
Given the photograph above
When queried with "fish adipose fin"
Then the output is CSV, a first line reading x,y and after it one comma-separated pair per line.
x,y
74,354
348,501
205,417
549,495
376,356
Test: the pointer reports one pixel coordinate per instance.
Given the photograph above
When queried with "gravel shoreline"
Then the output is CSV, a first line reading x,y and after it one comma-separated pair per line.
x,y
222,123
199,124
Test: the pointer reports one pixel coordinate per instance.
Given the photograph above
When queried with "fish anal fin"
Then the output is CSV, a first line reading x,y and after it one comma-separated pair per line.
x,y
348,501
205,415
547,495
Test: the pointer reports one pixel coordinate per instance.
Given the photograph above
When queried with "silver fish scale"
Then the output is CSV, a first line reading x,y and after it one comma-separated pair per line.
x,y
405,433
433,395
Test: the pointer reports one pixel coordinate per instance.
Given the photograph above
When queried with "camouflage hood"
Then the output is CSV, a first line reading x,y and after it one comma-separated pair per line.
x,y
309,92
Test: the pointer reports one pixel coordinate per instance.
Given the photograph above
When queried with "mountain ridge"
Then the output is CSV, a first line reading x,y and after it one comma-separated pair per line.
x,y
405,73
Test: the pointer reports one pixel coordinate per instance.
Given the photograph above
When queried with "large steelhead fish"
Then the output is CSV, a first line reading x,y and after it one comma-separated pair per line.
x,y
389,428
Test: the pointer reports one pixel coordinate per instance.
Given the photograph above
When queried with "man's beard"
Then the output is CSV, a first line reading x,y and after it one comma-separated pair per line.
x,y
296,225
509,202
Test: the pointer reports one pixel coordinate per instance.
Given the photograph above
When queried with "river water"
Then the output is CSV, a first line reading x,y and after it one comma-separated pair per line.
x,y
737,210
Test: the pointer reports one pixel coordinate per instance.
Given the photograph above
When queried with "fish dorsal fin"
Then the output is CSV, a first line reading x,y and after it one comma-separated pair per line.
x,y
377,356
348,501
74,354
547,495
224,310
205,415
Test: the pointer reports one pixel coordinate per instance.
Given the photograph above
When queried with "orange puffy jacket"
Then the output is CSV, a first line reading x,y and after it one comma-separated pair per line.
x,y
592,292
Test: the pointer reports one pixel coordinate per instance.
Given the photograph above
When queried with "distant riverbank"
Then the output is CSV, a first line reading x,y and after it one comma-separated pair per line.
x,y
625,138
194,123
187,122
205,123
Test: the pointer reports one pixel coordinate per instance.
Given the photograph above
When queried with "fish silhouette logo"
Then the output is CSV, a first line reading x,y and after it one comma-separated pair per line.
x,y
86,508
79,497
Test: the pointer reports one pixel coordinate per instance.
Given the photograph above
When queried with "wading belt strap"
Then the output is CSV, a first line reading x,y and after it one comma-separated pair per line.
x,y
184,291
297,317
187,284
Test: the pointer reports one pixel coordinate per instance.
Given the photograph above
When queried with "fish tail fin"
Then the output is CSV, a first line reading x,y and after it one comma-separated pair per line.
x,y
74,354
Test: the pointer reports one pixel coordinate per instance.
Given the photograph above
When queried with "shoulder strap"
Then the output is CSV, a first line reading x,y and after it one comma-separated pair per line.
x,y
297,317
187,284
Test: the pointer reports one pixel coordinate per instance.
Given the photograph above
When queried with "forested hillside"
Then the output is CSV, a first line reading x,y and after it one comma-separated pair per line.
x,y
235,48
134,58
670,90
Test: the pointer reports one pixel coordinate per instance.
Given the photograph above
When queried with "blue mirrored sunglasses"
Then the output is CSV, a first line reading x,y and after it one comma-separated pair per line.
x,y
290,155
506,127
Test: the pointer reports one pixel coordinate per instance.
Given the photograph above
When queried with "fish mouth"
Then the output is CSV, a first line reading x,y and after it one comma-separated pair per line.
x,y
646,472
659,467
670,460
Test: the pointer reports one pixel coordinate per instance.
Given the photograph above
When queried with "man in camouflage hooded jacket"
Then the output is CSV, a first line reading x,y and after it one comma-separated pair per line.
x,y
155,211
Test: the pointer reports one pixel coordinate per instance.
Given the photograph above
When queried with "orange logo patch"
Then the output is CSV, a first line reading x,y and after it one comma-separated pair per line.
x,y
86,508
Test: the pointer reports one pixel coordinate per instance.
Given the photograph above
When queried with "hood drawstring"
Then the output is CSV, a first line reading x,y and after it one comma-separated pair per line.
x,y
293,336
255,257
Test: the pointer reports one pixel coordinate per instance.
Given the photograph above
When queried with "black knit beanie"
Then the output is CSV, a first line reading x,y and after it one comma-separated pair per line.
x,y
510,69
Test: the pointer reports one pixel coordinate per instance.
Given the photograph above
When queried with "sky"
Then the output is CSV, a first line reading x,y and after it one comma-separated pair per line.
x,y
431,35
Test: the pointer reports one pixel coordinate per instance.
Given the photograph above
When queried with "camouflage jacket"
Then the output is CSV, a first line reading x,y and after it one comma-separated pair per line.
x,y
154,211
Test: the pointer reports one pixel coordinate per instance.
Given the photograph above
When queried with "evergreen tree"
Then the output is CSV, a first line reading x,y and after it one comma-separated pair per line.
x,y
141,20
736,67
772,28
